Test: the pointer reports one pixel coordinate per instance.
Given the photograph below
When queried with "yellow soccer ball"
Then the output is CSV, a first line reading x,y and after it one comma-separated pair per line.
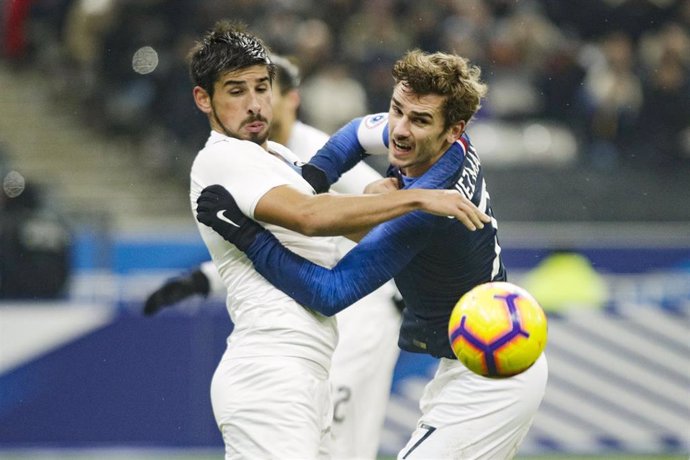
x,y
497,330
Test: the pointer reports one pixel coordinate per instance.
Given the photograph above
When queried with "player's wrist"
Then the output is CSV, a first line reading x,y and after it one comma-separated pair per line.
x,y
414,199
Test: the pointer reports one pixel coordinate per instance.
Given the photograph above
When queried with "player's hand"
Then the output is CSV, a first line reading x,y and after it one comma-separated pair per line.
x,y
388,184
453,204
175,290
316,177
217,209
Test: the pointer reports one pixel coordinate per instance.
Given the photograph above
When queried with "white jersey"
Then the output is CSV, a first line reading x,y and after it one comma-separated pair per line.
x,y
266,321
304,142
363,361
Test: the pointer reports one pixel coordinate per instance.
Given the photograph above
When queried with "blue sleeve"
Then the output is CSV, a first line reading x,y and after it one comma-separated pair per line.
x,y
341,153
380,255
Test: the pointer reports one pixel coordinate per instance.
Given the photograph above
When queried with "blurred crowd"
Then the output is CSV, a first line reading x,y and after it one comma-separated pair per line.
x,y
614,73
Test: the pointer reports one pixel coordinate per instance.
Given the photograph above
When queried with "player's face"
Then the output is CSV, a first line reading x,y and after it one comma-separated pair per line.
x,y
416,129
241,104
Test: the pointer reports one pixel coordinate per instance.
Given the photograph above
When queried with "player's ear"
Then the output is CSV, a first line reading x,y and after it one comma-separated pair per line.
x,y
455,131
202,99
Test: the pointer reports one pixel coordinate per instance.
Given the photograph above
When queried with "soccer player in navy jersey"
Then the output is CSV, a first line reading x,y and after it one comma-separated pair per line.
x,y
434,260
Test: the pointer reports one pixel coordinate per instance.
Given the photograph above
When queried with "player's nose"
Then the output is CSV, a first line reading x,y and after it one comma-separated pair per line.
x,y
254,104
401,129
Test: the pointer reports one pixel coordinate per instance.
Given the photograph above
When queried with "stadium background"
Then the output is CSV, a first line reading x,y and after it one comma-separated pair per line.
x,y
585,138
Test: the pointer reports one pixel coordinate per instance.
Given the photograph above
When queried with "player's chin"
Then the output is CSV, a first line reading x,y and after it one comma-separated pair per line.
x,y
258,138
398,159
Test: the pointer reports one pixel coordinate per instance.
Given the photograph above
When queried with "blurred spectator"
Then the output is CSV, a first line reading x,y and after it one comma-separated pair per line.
x,y
374,31
516,50
467,30
35,244
560,83
332,97
613,98
664,131
612,72
86,24
313,43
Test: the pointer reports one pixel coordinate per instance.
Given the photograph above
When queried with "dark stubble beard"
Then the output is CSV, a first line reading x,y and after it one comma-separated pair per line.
x,y
257,138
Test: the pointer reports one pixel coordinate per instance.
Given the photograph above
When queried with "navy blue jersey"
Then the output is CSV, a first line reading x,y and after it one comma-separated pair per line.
x,y
433,259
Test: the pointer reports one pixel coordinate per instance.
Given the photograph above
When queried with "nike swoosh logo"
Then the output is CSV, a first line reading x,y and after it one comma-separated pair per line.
x,y
222,217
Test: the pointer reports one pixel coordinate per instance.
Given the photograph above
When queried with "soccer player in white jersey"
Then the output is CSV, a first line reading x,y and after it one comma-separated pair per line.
x,y
270,392
364,359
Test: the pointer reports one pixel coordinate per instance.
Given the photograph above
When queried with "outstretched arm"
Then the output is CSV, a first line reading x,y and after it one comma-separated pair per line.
x,y
328,214
377,258
381,254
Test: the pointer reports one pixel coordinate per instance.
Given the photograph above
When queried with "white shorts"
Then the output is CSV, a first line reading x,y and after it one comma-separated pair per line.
x,y
272,408
361,374
466,416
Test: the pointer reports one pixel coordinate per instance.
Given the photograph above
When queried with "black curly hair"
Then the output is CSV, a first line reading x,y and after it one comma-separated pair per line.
x,y
226,47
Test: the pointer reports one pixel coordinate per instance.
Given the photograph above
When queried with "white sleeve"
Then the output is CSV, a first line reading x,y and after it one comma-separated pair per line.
x,y
372,133
245,169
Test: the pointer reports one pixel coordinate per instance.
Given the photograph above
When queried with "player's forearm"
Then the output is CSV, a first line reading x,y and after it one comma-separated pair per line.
x,y
376,259
381,254
328,214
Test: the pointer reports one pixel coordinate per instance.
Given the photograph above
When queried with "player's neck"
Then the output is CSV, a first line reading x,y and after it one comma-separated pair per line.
x,y
282,136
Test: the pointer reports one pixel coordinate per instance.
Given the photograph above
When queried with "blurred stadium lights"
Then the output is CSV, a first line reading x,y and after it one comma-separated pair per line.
x,y
13,184
145,60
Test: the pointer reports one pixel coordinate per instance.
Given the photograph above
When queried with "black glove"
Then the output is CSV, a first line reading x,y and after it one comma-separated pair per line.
x,y
316,177
217,209
176,289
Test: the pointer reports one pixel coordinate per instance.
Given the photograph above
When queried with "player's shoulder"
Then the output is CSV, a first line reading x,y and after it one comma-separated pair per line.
x,y
283,151
224,150
372,133
218,144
